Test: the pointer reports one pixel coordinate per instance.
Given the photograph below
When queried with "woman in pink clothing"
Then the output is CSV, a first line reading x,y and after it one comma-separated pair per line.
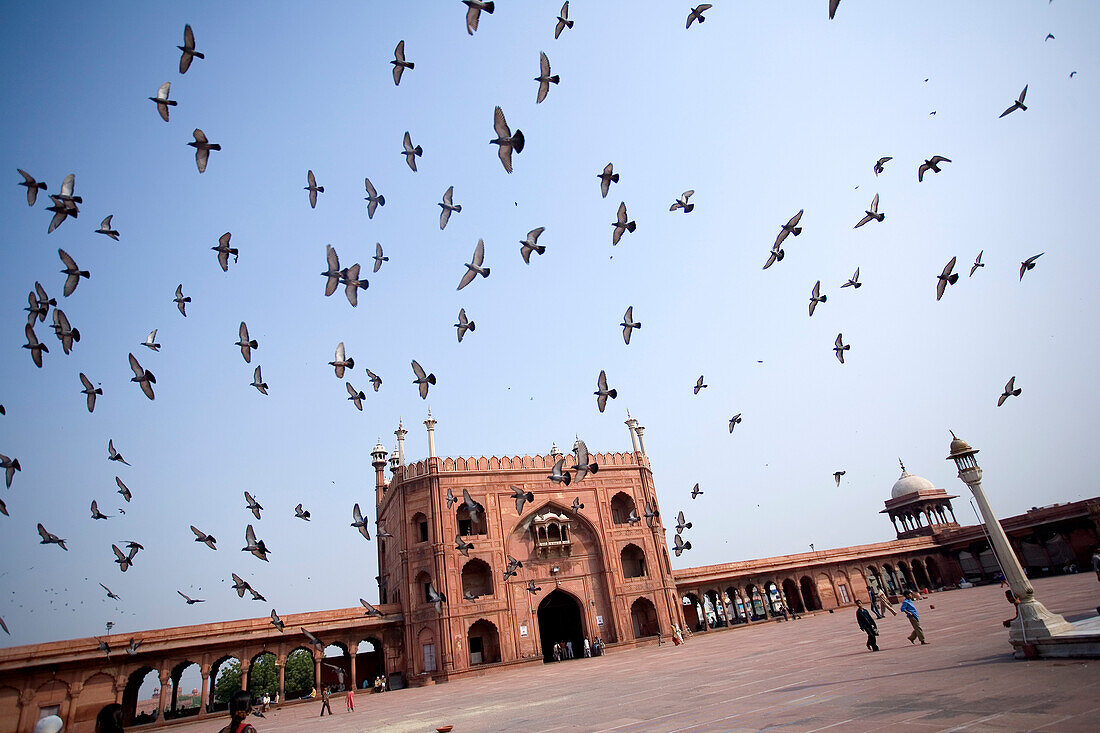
x,y
349,699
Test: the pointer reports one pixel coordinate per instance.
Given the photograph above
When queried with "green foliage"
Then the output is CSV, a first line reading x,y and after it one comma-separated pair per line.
x,y
263,676
299,674
228,681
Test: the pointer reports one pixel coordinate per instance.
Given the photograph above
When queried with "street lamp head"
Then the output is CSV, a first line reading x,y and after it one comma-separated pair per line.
x,y
963,456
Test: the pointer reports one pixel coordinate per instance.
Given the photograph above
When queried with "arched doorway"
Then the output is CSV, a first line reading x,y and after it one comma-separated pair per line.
x,y
299,671
919,575
369,662
809,593
483,643
794,597
559,621
336,666
933,572
692,614
185,698
140,697
643,617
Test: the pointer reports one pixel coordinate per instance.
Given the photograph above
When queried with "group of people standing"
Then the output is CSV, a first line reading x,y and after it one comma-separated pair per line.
x,y
563,650
879,601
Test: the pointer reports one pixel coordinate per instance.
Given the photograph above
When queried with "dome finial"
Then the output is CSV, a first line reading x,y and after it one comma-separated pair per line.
x,y
902,466
955,437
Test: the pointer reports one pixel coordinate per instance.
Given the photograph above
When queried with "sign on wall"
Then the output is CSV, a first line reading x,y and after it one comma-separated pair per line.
x,y
599,620
523,630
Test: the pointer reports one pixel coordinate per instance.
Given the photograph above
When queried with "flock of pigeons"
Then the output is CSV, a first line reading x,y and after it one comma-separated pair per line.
x,y
65,204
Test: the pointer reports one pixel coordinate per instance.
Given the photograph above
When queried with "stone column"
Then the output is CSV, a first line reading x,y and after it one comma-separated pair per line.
x,y
245,667
317,672
640,430
631,423
280,664
205,691
430,425
176,688
401,433
74,693
353,650
165,678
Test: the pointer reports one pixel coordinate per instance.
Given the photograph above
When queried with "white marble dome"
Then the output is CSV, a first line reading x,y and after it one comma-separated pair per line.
x,y
909,484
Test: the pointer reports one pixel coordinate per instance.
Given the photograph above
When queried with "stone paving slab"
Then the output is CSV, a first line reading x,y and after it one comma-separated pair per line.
x,y
808,675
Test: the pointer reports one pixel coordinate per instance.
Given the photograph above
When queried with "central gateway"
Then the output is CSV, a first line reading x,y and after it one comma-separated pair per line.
x,y
586,565
559,622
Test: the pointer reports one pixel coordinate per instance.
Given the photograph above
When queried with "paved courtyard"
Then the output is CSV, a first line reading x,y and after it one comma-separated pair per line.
x,y
808,675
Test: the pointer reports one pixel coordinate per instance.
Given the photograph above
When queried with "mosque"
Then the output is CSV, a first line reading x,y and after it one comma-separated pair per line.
x,y
591,561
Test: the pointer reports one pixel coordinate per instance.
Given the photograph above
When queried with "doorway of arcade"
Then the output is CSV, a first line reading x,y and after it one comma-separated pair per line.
x,y
560,621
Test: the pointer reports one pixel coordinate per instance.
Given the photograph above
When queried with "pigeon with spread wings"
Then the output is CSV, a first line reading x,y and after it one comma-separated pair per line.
x,y
544,79
563,20
1018,104
585,465
252,505
602,392
188,49
447,207
359,522
202,148
162,101
473,12
256,547
143,377
506,139
90,390
422,379
946,278
33,186
474,266
224,250
629,324
73,272
206,539
621,224
313,188
529,245
399,63
411,154
373,199
341,362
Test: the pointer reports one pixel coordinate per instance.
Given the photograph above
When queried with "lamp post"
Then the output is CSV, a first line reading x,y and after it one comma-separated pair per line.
x,y
1034,622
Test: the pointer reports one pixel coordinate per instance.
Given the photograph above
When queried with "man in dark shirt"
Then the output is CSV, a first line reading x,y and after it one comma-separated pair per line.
x,y
868,625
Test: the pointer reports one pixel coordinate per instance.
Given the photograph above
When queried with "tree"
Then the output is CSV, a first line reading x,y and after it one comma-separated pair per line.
x,y
299,674
228,681
263,676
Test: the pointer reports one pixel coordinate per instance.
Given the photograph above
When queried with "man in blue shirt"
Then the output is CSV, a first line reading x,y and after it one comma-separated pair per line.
x,y
910,610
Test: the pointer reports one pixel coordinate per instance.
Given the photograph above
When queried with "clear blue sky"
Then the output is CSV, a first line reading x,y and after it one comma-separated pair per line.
x,y
765,109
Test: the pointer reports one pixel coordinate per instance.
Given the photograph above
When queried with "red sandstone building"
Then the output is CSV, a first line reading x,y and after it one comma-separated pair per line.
x,y
594,572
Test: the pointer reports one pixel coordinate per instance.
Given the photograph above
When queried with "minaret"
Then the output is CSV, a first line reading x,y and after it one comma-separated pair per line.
x,y
378,460
631,424
555,452
401,432
430,425
640,430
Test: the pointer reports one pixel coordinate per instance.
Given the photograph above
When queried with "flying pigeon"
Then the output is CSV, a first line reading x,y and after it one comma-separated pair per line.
x,y
1029,264
544,79
132,647
257,548
376,380
696,14
854,281
124,560
370,610
202,149
932,164
62,209
563,20
584,465
399,63
252,505
240,585
946,278
839,347
464,324
150,341
560,475
313,189
224,250
650,513
607,178
816,297
74,273
340,363
837,475
34,186
682,202
735,421
36,347
245,343
977,263
577,506
255,594
470,595
447,207
602,392
871,214
143,377
313,640
64,331
104,647
521,498
373,199
356,396
682,523
49,538
123,489
105,228
628,324
880,162
180,301
190,601
188,48
421,379
532,588
378,258
472,506
679,545
352,284
505,139
621,224
463,546
833,5
1018,104
451,499
359,522
699,385
38,304
513,565
114,455
473,15
258,381
96,514
1011,390
696,491
474,266
410,154
791,227
206,539
162,101
633,517
436,597
10,466
133,547
529,245
276,621
110,593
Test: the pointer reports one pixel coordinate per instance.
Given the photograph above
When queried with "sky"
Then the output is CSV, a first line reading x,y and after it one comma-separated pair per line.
x,y
763,110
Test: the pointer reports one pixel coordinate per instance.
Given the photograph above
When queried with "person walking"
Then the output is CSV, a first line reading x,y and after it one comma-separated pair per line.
x,y
677,635
569,649
910,610
240,705
1096,563
349,699
324,702
884,602
863,618
587,648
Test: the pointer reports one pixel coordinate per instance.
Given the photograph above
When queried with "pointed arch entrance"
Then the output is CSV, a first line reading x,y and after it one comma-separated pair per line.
x,y
560,621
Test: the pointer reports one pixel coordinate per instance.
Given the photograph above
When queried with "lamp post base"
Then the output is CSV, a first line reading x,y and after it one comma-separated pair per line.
x,y
1040,634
